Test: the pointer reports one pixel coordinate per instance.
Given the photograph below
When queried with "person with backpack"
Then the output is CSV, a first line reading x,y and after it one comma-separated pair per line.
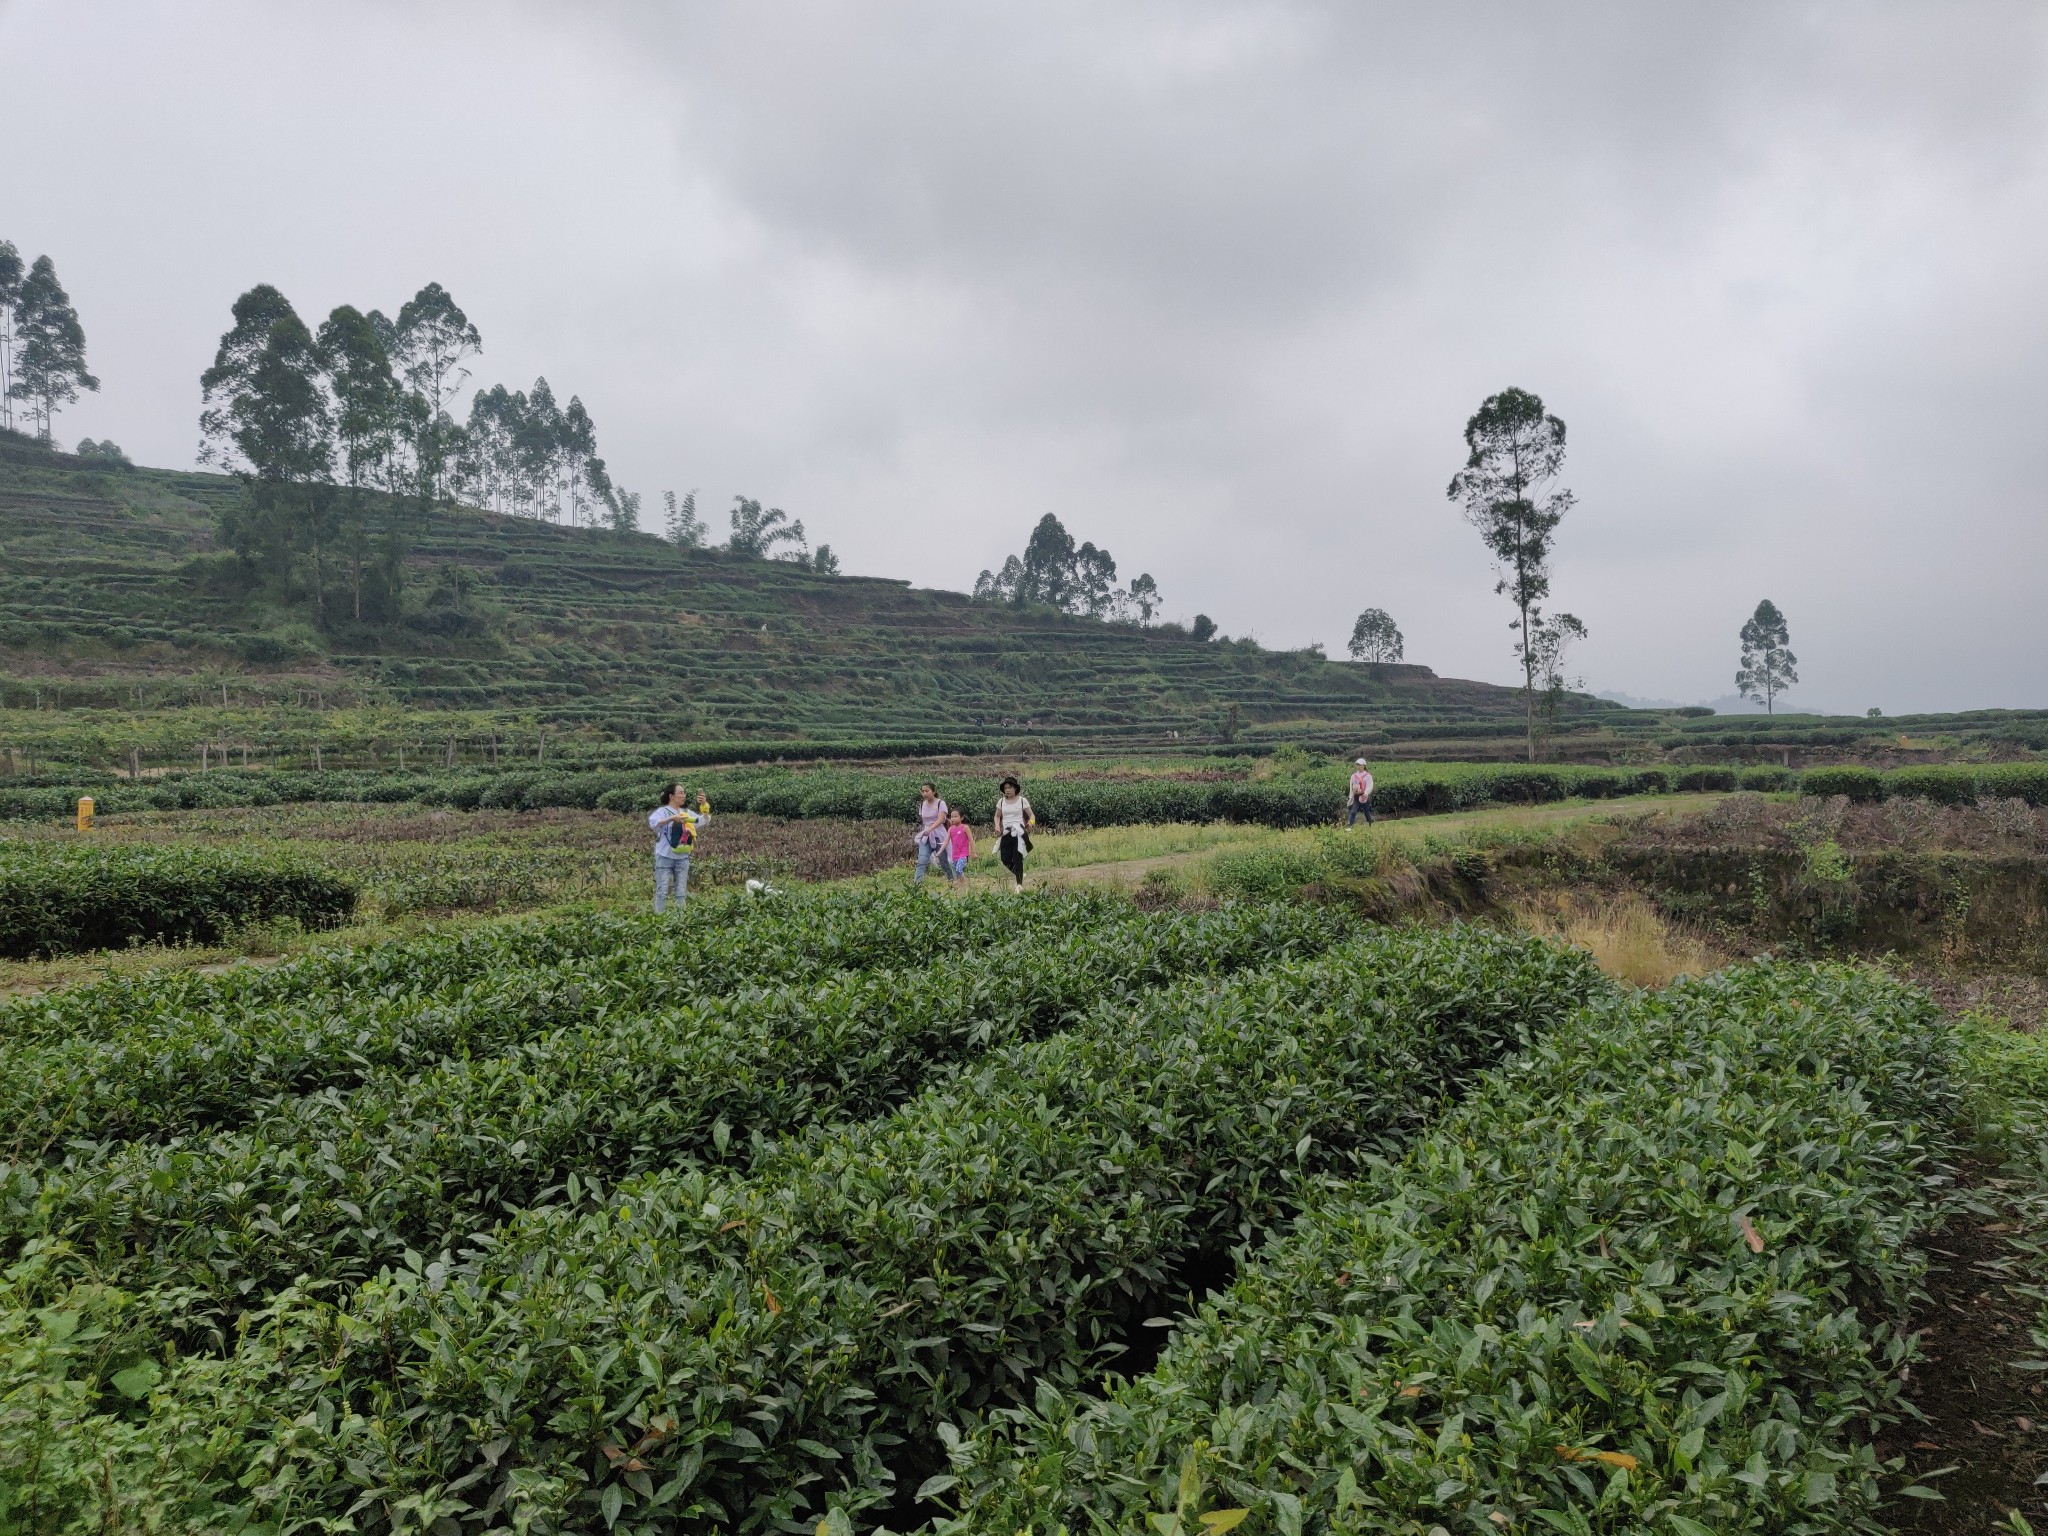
x,y
931,831
1360,798
1013,824
675,827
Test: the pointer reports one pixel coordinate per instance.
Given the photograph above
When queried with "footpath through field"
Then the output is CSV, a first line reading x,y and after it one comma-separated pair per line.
x,y
1124,856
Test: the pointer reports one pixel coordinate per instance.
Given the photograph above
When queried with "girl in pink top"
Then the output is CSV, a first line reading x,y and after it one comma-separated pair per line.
x,y
959,844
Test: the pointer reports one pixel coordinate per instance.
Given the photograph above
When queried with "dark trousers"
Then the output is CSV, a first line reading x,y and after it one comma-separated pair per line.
x,y
1011,851
1351,816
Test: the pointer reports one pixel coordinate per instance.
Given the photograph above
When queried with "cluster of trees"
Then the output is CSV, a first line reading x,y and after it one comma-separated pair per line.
x,y
758,533
1081,580
314,420
42,344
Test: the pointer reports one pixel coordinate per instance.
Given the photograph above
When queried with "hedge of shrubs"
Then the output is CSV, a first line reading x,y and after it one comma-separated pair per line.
x,y
1293,800
802,1332
1648,1280
65,900
331,1185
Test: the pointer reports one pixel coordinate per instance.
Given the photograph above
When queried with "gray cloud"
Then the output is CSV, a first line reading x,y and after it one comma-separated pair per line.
x,y
1219,284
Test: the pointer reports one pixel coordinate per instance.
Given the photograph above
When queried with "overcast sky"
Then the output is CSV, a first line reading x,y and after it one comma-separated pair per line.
x,y
1218,284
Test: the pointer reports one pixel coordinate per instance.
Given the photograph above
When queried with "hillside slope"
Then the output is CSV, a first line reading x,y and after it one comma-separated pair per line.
x,y
113,590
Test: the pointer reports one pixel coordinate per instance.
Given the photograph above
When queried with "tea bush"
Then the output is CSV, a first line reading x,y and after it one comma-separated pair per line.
x,y
764,1342
1648,1278
175,1054
64,900
330,1185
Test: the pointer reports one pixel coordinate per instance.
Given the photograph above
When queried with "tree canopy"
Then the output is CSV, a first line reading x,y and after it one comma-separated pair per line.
x,y
1376,637
47,342
1080,580
1514,450
1768,666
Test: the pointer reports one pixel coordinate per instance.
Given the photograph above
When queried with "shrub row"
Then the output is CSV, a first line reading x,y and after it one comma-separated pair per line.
x,y
57,900
1300,800
698,1350
178,1054
1648,1278
332,1185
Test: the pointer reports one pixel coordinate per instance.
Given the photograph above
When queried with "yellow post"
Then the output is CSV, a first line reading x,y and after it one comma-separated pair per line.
x,y
85,813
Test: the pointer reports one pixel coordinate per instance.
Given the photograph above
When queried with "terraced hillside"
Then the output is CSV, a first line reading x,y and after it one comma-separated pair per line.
x,y
114,594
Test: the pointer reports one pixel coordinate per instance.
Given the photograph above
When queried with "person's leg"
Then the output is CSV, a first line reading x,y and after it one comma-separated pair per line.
x,y
682,879
1012,855
924,859
1351,813
1368,813
661,878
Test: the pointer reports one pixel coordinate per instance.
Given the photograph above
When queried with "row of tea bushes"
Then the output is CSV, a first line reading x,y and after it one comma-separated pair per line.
x,y
57,900
179,1053
1302,799
695,1350
1647,1279
331,1185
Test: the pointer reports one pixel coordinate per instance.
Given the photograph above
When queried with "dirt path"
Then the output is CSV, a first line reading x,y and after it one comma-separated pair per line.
x,y
1985,1417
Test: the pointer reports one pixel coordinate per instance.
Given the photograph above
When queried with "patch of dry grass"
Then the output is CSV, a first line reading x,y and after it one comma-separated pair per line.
x,y
1627,937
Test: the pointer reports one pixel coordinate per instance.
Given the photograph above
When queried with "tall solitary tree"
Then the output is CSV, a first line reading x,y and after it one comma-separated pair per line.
x,y
1768,665
1514,451
1376,637
11,273
49,358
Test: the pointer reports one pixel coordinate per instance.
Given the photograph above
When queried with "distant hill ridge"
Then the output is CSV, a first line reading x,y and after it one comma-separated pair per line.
x,y
115,594
112,580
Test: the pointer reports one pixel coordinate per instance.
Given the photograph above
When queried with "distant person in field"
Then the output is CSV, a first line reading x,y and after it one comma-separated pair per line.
x,y
931,831
959,845
1013,824
1360,798
675,828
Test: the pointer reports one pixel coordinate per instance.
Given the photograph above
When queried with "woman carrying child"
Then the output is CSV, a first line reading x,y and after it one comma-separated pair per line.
x,y
1013,824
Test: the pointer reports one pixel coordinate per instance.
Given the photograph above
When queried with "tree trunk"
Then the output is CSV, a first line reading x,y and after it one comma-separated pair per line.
x,y
1528,683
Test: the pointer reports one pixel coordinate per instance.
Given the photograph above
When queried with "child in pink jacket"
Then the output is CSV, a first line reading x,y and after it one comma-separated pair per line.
x,y
959,844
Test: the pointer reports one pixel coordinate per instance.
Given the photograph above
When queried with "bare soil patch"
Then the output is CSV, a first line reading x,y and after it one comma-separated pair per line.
x,y
1985,1417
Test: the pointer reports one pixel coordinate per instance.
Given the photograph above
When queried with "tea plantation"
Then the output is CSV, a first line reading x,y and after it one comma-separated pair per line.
x,y
843,1209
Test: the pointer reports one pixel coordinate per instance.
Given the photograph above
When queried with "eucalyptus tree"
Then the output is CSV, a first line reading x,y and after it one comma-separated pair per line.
x,y
11,273
368,418
1768,666
266,418
1144,596
1376,637
430,342
49,356
1514,451
1554,638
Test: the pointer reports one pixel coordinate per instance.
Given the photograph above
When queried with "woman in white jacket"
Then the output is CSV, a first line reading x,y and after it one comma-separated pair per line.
x,y
1013,824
